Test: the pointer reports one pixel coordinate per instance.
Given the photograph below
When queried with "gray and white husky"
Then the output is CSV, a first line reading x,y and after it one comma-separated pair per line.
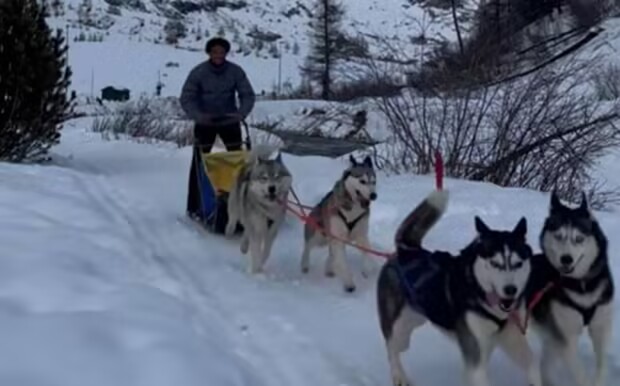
x,y
343,213
258,202
470,296
575,266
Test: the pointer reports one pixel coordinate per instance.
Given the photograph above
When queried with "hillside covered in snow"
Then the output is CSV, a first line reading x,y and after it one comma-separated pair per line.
x,y
137,43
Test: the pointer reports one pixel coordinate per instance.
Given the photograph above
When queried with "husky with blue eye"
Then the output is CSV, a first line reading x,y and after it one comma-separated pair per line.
x,y
574,278
471,297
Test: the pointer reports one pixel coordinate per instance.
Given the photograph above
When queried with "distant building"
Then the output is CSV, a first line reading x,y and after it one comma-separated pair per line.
x,y
110,93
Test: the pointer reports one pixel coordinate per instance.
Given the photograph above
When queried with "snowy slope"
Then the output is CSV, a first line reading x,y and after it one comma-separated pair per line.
x,y
245,22
102,284
130,49
132,52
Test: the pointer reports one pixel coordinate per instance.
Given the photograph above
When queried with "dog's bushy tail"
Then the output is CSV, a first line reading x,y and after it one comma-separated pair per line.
x,y
261,151
417,224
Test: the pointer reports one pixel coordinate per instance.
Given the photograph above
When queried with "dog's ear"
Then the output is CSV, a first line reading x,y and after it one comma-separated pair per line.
x,y
352,160
584,207
555,203
521,229
368,161
481,227
278,158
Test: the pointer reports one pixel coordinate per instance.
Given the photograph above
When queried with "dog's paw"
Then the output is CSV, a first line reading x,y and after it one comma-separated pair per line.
x,y
245,245
349,288
401,381
229,232
329,270
254,270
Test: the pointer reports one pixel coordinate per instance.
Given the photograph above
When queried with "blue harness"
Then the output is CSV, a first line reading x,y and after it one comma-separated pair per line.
x,y
426,280
439,286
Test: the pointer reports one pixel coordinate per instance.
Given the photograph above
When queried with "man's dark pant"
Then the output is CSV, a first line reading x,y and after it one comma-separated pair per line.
x,y
204,137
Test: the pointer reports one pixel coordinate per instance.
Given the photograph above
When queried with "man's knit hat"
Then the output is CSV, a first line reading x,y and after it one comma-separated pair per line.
x,y
217,42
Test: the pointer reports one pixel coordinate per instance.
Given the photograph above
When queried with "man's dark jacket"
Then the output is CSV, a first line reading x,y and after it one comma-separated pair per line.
x,y
210,89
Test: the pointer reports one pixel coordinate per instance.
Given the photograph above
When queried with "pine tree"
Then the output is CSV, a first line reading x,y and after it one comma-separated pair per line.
x,y
84,12
58,7
325,35
34,79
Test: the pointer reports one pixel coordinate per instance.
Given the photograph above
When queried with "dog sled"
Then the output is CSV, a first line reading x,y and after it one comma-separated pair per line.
x,y
215,175
303,144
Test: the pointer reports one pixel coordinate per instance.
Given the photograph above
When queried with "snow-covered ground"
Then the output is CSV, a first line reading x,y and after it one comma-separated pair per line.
x,y
102,283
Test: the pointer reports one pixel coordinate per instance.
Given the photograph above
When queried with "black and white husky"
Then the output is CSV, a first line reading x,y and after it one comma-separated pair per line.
x,y
575,271
470,297
343,214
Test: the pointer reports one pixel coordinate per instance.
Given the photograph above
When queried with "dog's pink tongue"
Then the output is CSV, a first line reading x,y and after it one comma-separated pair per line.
x,y
493,298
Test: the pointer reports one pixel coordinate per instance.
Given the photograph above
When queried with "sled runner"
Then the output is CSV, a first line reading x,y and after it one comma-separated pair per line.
x,y
216,173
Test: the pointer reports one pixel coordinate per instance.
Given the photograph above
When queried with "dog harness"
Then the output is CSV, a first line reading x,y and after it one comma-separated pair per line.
x,y
351,224
436,286
583,287
545,273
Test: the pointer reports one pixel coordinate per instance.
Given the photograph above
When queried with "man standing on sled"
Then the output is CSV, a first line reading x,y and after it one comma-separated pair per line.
x,y
208,97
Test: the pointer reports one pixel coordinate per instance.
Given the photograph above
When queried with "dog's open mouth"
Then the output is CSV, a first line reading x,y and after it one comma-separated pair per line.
x,y
566,270
507,304
272,196
364,202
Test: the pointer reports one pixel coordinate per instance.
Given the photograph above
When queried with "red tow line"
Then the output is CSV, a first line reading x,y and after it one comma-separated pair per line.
x,y
535,300
300,212
439,174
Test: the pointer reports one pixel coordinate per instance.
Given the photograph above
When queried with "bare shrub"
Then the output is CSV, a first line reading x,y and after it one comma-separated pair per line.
x,y
590,12
541,132
512,36
606,82
365,87
144,120
174,30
